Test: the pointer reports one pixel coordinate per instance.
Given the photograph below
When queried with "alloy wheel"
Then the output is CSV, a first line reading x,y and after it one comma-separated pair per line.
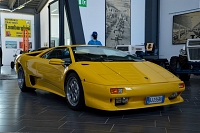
x,y
20,78
73,91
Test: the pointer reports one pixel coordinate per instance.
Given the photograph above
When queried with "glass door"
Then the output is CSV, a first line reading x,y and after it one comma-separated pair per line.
x,y
54,24
67,35
61,28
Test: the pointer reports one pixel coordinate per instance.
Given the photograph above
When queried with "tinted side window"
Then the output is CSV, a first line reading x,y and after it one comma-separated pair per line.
x,y
58,53
46,54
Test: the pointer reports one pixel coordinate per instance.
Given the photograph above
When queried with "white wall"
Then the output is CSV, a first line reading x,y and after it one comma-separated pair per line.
x,y
137,22
168,8
93,19
8,53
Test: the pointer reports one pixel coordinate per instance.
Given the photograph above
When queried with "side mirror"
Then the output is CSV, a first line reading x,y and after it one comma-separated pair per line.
x,y
56,62
59,62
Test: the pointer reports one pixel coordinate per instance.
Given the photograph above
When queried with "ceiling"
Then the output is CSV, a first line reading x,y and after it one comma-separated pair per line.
x,y
14,5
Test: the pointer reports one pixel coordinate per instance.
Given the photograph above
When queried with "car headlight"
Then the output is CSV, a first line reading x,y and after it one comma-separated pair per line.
x,y
182,52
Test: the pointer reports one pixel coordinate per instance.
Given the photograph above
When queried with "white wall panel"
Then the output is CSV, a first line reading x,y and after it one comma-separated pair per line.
x,y
137,22
93,19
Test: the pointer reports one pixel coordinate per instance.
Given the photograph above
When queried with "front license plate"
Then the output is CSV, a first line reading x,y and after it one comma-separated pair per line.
x,y
155,99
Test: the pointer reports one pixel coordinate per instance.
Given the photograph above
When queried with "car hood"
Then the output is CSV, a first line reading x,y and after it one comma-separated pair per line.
x,y
128,73
141,72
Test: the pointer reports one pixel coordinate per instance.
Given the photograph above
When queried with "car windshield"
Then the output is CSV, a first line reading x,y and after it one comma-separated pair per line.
x,y
102,54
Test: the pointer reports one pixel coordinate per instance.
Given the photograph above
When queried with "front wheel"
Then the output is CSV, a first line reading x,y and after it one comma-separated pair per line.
x,y
21,79
74,92
22,82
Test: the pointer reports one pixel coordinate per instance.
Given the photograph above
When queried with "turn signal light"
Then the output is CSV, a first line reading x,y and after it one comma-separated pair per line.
x,y
181,85
116,90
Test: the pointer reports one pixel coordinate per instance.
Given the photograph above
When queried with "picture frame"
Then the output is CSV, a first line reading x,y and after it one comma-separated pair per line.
x,y
149,46
118,23
185,26
11,44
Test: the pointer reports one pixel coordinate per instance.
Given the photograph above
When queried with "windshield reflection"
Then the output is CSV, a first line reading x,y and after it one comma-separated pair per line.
x,y
102,54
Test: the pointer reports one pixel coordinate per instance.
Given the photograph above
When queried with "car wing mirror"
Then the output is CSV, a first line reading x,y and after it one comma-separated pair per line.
x,y
58,62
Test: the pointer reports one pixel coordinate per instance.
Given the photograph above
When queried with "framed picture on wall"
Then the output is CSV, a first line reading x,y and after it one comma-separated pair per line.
x,y
118,22
149,46
11,44
185,26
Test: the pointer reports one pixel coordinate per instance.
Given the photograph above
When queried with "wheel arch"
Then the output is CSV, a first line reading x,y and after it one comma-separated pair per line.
x,y
81,103
69,72
17,65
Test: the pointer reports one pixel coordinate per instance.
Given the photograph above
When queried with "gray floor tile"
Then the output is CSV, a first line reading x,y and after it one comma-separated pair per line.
x,y
41,111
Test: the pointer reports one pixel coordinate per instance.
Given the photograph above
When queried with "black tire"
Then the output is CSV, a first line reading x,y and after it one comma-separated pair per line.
x,y
175,64
74,92
12,64
183,62
22,82
184,66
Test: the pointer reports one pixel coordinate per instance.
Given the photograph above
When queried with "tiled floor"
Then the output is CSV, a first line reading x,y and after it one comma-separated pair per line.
x,y
41,111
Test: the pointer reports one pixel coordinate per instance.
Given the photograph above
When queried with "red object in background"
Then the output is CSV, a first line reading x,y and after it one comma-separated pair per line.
x,y
8,33
25,43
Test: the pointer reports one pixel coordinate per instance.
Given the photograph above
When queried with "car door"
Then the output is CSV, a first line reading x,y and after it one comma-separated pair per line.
x,y
53,75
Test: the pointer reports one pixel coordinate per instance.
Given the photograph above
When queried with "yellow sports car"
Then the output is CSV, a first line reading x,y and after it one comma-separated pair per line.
x,y
98,77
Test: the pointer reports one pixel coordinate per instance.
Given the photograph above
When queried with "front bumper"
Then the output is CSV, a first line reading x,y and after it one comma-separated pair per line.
x,y
99,97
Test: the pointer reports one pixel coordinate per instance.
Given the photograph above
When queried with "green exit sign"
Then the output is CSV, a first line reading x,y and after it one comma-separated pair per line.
x,y
82,3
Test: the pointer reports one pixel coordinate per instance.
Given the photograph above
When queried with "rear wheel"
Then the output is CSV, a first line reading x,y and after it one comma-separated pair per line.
x,y
74,92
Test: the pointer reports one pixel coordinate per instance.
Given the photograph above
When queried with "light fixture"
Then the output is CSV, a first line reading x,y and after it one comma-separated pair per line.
x,y
21,6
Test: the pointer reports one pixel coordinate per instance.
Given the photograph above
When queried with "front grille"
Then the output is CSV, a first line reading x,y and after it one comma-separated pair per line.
x,y
194,53
138,49
194,43
123,48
